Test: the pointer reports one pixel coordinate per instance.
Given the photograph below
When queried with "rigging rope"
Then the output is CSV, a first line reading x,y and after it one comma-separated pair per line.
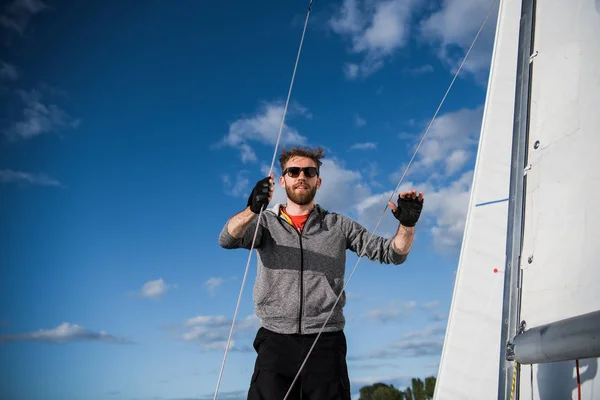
x,y
392,195
287,101
514,381
578,380
531,380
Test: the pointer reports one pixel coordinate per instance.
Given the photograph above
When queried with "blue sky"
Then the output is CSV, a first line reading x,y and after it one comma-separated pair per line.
x,y
130,133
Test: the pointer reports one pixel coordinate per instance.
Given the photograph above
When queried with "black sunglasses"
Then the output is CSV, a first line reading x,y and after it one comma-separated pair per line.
x,y
294,172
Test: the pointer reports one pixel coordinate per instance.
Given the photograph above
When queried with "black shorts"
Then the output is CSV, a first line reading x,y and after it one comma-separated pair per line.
x,y
323,377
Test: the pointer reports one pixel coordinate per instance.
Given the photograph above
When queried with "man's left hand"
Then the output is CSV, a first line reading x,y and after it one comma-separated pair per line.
x,y
409,208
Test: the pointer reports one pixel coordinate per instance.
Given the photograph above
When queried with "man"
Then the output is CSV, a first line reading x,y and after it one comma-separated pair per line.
x,y
301,251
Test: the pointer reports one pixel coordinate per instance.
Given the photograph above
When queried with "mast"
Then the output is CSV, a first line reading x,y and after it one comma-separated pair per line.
x,y
514,241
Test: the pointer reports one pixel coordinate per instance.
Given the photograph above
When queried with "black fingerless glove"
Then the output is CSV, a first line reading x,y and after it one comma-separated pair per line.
x,y
259,196
408,211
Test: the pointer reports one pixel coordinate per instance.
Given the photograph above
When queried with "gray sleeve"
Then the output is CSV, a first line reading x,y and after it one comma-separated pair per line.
x,y
376,248
229,242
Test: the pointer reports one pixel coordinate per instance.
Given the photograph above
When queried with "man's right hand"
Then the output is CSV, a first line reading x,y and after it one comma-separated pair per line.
x,y
261,194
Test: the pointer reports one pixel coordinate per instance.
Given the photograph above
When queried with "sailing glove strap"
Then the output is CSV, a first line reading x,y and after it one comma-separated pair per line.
x,y
408,210
260,195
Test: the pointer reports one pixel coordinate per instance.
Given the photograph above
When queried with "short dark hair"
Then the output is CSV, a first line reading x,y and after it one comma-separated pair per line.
x,y
314,154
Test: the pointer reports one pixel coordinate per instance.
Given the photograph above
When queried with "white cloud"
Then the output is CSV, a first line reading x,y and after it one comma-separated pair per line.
x,y
423,69
444,219
18,14
415,348
449,29
358,121
39,118
155,288
8,71
64,333
349,20
212,332
405,348
376,30
393,311
237,186
439,317
430,305
387,29
341,187
8,176
351,70
456,160
354,296
208,320
211,338
364,146
427,332
213,284
450,216
371,170
263,127
450,143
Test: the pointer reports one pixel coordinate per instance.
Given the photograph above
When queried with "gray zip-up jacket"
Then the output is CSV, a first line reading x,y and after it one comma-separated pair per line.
x,y
300,275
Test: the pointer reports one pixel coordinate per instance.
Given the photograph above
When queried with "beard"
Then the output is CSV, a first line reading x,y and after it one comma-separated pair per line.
x,y
303,197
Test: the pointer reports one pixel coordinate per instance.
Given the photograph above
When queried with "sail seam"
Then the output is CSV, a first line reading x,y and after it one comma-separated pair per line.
x,y
491,202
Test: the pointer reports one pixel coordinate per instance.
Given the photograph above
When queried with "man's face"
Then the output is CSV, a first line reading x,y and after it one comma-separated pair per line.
x,y
302,189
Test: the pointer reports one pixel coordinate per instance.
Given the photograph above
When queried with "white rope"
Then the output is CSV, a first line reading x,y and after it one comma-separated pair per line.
x,y
260,213
391,197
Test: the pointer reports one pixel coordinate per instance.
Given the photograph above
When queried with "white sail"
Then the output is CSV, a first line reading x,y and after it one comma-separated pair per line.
x,y
561,244
469,363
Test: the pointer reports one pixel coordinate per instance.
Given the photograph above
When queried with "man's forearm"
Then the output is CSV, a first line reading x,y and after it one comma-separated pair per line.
x,y
237,225
402,242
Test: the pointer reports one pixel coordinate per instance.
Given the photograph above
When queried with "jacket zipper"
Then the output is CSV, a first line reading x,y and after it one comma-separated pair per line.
x,y
301,284
301,272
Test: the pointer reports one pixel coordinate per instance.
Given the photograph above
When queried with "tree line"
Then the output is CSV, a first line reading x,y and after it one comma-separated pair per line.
x,y
418,390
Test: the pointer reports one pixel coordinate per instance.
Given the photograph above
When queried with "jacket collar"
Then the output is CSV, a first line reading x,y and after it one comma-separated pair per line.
x,y
276,209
